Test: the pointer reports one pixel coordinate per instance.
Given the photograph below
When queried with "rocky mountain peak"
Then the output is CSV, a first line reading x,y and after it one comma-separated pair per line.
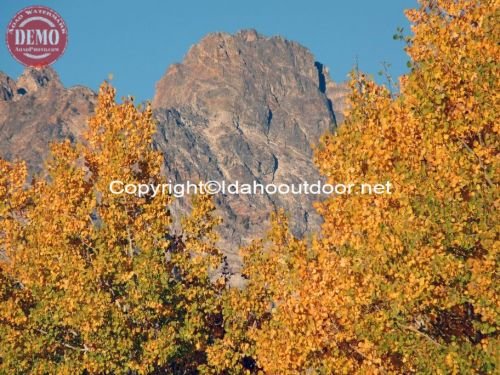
x,y
36,110
227,70
31,80
244,107
34,79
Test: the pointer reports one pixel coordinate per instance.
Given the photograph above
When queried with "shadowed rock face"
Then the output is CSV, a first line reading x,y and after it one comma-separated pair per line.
x,y
239,107
338,93
37,110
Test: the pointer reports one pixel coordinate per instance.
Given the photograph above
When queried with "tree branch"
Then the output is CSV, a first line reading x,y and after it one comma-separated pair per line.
x,y
66,345
414,330
488,180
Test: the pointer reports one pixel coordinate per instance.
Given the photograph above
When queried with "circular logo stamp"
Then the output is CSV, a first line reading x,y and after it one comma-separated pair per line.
x,y
37,36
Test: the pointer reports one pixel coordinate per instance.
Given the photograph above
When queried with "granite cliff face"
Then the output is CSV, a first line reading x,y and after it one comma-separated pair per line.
x,y
245,108
239,107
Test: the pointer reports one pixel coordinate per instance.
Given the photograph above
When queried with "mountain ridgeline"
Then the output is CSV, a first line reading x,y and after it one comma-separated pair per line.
x,y
240,107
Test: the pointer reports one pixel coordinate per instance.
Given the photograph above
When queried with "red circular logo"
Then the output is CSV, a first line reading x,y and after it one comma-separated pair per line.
x,y
37,36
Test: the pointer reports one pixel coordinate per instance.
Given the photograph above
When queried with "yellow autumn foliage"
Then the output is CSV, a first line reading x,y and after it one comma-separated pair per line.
x,y
92,282
397,283
406,282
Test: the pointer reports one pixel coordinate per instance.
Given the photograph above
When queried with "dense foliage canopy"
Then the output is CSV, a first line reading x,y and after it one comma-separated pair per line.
x,y
406,282
395,283
96,282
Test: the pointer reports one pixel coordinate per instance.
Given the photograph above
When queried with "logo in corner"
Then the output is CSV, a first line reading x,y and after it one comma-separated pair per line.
x,y
36,36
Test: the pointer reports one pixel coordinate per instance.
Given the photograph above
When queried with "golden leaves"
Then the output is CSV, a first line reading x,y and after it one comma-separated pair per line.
x,y
96,279
399,283
405,283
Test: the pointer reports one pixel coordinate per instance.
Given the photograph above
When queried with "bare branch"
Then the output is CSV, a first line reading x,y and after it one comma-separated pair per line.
x,y
488,180
414,330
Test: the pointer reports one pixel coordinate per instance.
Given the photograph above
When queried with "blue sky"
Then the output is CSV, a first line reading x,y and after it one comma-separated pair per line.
x,y
137,40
